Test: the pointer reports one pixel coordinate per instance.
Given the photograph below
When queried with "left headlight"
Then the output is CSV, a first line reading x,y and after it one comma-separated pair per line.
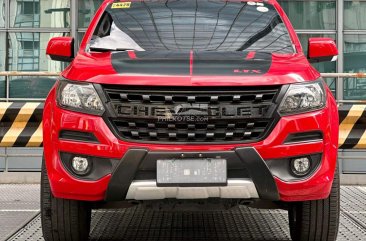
x,y
301,98
79,97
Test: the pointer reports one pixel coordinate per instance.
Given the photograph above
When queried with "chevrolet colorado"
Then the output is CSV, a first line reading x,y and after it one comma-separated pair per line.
x,y
182,104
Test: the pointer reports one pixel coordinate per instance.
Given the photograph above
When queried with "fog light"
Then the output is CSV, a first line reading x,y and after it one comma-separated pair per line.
x,y
300,166
80,165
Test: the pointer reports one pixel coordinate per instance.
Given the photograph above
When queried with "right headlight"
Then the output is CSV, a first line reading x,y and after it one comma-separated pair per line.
x,y
302,98
79,97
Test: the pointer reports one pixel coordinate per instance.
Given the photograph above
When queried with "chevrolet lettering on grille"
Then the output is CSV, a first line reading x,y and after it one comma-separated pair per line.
x,y
209,111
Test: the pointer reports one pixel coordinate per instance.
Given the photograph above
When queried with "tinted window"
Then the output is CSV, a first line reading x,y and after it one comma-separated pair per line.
x,y
211,25
354,62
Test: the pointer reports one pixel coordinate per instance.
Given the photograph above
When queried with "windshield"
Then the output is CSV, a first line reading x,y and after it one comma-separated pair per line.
x,y
184,25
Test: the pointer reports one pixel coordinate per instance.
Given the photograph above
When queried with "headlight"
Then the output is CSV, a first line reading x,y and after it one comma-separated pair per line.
x,y
79,97
302,98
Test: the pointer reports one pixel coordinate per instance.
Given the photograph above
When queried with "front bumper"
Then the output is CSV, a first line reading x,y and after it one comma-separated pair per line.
x,y
65,185
122,185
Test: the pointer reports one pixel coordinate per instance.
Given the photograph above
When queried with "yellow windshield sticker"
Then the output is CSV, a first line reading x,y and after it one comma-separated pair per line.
x,y
121,5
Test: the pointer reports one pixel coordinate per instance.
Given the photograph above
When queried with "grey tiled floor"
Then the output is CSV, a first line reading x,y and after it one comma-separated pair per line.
x,y
137,224
18,205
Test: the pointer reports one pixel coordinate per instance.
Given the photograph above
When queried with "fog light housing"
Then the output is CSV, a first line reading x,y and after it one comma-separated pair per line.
x,y
301,166
80,165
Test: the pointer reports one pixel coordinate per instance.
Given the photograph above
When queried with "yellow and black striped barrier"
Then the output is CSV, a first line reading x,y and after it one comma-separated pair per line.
x,y
352,127
21,125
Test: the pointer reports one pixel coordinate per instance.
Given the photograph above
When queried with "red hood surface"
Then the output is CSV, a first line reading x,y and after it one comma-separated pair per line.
x,y
191,69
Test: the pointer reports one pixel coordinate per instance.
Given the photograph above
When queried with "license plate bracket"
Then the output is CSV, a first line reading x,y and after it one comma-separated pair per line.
x,y
191,172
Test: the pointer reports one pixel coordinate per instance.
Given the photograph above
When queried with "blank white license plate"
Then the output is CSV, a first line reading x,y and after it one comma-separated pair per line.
x,y
191,172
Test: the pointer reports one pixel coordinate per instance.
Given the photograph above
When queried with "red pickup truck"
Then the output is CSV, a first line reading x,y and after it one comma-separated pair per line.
x,y
185,104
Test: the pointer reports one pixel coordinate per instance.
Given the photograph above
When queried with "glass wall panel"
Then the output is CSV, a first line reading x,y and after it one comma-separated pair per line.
x,y
87,9
311,14
354,15
27,52
2,13
80,37
39,13
2,87
354,62
24,52
2,50
324,67
2,63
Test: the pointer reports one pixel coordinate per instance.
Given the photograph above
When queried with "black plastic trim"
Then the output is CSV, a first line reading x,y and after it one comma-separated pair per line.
x,y
310,136
79,136
142,159
260,173
281,168
98,167
62,58
124,174
320,59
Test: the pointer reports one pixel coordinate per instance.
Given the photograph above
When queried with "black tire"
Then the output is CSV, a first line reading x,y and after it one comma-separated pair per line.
x,y
316,220
62,219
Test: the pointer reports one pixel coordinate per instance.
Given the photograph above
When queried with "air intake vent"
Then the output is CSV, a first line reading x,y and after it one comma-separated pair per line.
x,y
78,136
304,137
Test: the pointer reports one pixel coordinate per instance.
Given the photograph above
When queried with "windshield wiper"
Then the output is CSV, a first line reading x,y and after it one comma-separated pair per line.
x,y
96,49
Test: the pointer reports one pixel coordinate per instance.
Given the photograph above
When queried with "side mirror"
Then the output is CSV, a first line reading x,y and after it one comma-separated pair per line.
x,y
61,49
322,50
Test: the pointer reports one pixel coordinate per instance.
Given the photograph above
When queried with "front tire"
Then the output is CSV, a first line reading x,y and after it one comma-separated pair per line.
x,y
316,220
62,220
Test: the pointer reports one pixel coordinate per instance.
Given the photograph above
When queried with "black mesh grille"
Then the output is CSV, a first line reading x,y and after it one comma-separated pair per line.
x,y
193,114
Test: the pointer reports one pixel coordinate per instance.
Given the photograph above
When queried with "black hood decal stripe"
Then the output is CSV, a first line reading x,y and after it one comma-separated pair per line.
x,y
231,63
194,63
151,63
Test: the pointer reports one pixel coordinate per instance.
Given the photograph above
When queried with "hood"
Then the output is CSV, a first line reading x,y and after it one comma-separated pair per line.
x,y
190,68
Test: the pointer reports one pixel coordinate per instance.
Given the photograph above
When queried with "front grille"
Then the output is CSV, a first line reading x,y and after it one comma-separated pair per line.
x,y
191,115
